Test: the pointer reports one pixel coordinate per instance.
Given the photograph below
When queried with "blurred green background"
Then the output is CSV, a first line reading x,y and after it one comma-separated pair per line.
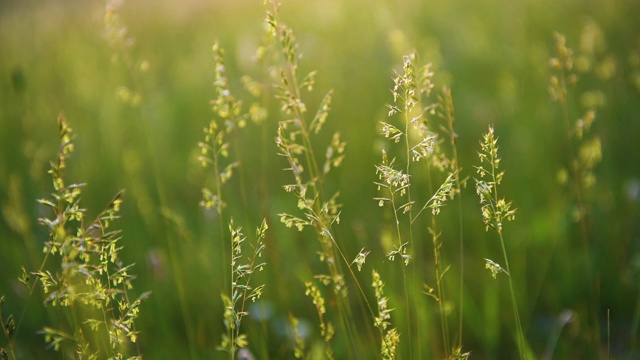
x,y
55,58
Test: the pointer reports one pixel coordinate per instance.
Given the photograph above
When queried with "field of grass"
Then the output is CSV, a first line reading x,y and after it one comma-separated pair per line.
x,y
375,179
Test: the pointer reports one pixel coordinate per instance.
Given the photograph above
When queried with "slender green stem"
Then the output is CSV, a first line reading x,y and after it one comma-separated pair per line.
x,y
229,277
289,71
237,148
516,314
444,328
182,296
461,234
219,204
499,213
353,275
6,333
635,325
407,121
404,271
58,212
454,148
355,279
608,335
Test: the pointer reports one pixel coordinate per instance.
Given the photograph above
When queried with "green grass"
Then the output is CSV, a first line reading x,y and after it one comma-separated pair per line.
x,y
359,280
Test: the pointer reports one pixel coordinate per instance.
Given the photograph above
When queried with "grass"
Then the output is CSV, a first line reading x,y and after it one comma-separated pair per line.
x,y
495,211
360,156
87,286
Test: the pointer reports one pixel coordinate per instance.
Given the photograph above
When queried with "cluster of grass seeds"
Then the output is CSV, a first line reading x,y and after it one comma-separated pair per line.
x,y
390,335
214,154
8,329
326,327
584,149
214,150
414,137
118,38
295,142
495,211
299,347
215,147
83,279
82,276
242,289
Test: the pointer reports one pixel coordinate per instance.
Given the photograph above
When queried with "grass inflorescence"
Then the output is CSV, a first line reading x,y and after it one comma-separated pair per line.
x,y
83,279
368,241
495,211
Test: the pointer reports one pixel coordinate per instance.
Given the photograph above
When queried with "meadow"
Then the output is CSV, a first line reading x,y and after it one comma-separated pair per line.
x,y
320,179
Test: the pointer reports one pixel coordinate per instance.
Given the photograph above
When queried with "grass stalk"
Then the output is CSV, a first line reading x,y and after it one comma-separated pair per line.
x,y
635,325
408,107
495,211
514,303
579,169
295,144
446,104
437,264
608,334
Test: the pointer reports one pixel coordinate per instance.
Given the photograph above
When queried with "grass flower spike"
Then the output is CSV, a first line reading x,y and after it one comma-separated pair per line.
x,y
495,211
